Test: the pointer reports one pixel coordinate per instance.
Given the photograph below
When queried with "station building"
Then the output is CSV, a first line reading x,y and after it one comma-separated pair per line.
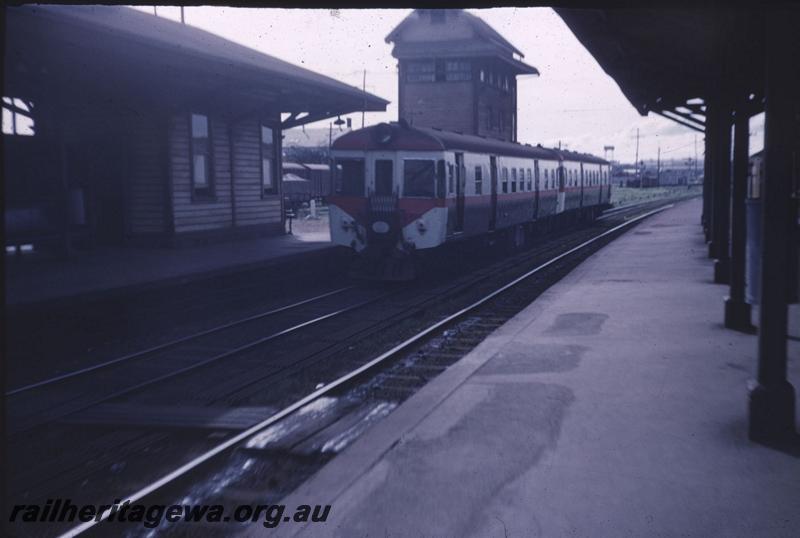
x,y
120,127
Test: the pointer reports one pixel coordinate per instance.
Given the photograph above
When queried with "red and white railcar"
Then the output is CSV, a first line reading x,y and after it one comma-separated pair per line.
x,y
401,189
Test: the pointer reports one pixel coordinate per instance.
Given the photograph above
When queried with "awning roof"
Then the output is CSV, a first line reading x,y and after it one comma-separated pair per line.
x,y
145,50
667,60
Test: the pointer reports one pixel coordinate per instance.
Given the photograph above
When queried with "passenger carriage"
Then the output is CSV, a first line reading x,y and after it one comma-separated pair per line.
x,y
400,190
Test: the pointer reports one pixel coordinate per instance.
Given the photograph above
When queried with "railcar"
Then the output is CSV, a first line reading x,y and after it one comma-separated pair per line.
x,y
401,190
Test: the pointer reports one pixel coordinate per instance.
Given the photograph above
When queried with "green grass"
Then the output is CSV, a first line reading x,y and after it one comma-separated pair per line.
x,y
621,196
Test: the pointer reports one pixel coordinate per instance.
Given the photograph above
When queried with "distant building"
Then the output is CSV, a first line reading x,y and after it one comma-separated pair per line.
x,y
651,173
457,73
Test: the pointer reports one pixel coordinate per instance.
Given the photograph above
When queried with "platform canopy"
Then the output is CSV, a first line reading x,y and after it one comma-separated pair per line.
x,y
112,50
670,61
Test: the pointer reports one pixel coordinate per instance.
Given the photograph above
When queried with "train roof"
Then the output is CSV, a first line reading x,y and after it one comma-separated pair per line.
x,y
401,136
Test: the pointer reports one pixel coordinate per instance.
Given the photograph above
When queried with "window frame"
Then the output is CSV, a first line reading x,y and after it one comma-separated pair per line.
x,y
274,160
457,70
415,73
18,109
479,180
208,192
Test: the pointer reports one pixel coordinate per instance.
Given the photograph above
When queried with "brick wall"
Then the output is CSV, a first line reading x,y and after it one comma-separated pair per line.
x,y
446,105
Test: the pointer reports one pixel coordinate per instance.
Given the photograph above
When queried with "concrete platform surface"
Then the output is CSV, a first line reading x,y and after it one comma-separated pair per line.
x,y
614,405
104,269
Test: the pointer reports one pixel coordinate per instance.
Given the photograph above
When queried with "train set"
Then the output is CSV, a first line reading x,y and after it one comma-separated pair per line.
x,y
402,190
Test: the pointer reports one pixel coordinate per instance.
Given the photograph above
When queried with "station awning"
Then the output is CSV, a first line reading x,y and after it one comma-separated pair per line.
x,y
669,61
136,56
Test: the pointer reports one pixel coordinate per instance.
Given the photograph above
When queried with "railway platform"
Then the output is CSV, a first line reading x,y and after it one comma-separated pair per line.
x,y
614,405
128,269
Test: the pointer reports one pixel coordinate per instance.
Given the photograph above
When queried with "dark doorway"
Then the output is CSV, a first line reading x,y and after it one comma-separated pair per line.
x,y
461,181
493,203
383,177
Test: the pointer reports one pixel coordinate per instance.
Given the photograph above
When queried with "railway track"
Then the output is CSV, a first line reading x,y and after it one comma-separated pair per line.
x,y
421,302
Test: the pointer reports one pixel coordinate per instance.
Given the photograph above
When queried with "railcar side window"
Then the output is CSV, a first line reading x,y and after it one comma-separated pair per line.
x,y
350,177
478,180
418,178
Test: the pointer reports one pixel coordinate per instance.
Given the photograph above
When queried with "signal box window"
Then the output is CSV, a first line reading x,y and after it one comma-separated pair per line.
x,y
457,70
202,170
418,178
478,180
421,71
268,161
513,180
350,177
522,179
530,180
505,179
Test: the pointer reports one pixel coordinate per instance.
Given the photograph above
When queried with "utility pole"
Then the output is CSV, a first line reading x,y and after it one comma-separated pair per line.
x,y
155,11
637,158
364,89
183,20
658,168
695,157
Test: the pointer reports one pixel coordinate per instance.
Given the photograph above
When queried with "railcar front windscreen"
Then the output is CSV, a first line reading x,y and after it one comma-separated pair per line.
x,y
418,178
350,177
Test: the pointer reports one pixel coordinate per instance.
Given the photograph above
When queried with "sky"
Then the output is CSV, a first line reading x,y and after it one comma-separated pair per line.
x,y
573,101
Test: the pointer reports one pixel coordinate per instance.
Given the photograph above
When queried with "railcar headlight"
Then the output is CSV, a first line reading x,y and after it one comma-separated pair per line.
x,y
421,226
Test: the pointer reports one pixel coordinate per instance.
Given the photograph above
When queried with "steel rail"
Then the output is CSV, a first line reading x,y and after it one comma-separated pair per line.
x,y
238,438
161,347
224,355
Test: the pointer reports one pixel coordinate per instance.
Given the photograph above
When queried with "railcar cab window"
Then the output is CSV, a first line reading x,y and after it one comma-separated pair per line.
x,y
202,169
478,180
350,177
269,185
418,178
